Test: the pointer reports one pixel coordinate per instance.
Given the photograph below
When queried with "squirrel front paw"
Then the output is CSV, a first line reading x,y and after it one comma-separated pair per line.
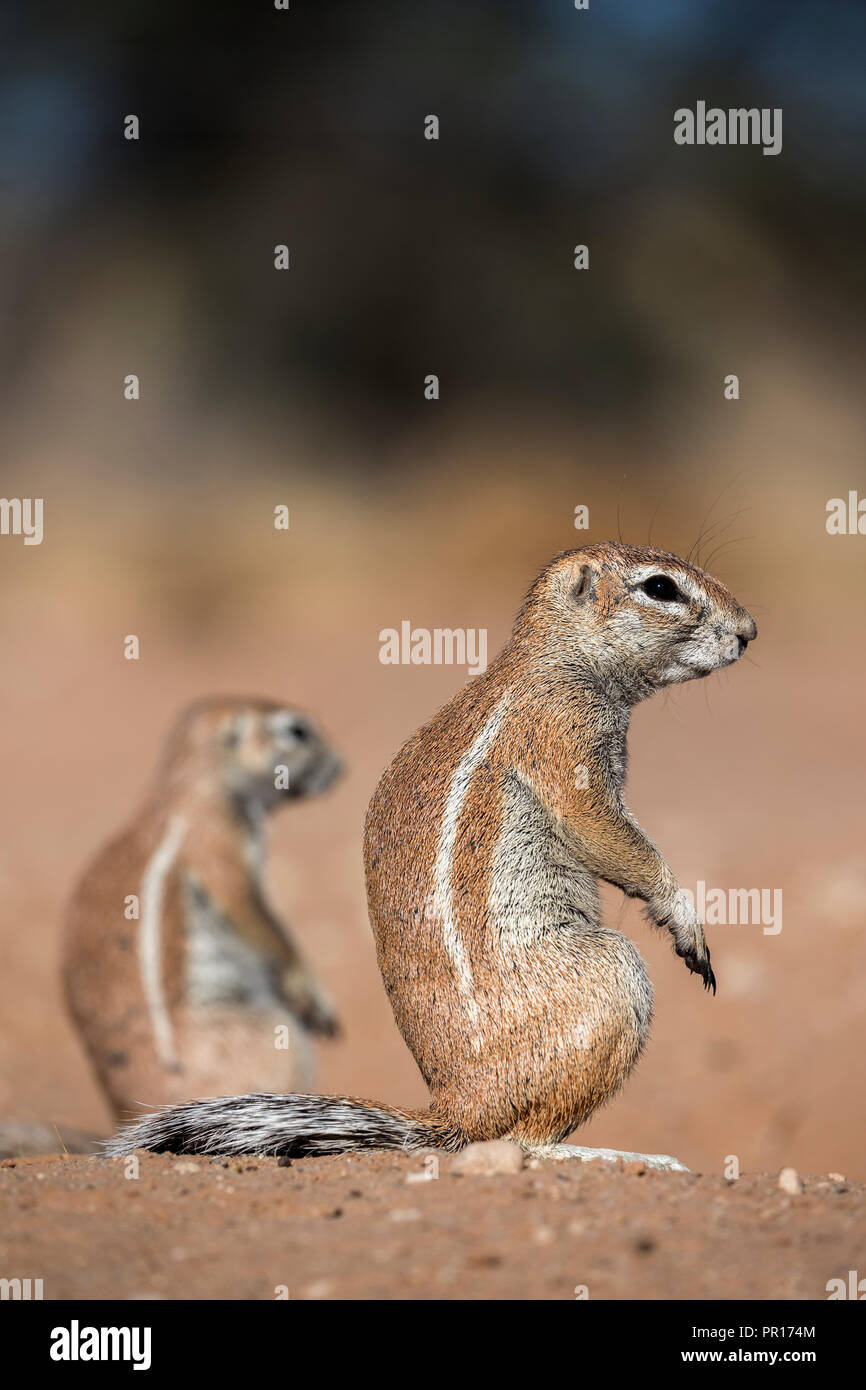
x,y
319,1018
686,928
311,1006
697,957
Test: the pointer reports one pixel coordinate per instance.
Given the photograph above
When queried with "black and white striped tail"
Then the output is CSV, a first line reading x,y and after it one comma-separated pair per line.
x,y
286,1125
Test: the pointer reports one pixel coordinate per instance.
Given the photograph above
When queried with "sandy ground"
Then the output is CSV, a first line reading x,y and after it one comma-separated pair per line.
x,y
364,1226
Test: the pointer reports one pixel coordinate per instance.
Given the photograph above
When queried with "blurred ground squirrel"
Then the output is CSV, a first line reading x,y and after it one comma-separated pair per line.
x,y
485,841
186,999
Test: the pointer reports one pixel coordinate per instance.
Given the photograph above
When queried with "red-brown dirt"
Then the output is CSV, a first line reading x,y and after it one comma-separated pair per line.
x,y
363,1226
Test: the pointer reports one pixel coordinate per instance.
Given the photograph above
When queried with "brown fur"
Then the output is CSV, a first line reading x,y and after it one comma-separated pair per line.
x,y
559,1008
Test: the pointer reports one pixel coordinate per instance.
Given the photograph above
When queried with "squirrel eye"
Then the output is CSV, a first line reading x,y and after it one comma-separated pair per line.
x,y
658,586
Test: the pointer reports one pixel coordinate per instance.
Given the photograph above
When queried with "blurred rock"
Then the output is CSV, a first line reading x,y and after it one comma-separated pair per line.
x,y
493,1157
789,1181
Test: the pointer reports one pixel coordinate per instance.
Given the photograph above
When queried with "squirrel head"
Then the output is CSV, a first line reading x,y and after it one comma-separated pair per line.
x,y
631,619
256,752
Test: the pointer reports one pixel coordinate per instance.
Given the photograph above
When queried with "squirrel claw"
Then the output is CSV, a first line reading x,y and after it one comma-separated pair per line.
x,y
701,966
705,970
317,1021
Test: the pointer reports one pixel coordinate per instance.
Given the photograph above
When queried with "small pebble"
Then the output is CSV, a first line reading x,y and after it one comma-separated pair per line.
x,y
789,1181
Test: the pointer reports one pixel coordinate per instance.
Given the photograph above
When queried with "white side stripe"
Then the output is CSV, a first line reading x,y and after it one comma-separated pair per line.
x,y
150,937
442,897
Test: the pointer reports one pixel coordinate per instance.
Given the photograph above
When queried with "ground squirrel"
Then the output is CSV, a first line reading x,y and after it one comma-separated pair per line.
x,y
484,843
203,990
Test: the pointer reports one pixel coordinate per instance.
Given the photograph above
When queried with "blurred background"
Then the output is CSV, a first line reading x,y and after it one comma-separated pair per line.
x,y
558,388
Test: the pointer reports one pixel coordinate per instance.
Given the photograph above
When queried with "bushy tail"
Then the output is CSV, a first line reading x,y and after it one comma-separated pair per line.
x,y
290,1125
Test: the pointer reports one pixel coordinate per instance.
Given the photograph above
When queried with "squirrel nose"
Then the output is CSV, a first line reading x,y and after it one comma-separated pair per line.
x,y
747,632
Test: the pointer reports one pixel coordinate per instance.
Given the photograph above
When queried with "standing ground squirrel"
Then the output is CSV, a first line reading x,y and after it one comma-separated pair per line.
x,y
185,999
485,840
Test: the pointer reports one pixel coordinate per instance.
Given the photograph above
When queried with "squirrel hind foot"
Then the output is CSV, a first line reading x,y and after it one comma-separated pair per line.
x,y
559,1153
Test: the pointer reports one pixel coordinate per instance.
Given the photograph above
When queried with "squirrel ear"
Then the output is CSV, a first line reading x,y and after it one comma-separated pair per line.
x,y
584,588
